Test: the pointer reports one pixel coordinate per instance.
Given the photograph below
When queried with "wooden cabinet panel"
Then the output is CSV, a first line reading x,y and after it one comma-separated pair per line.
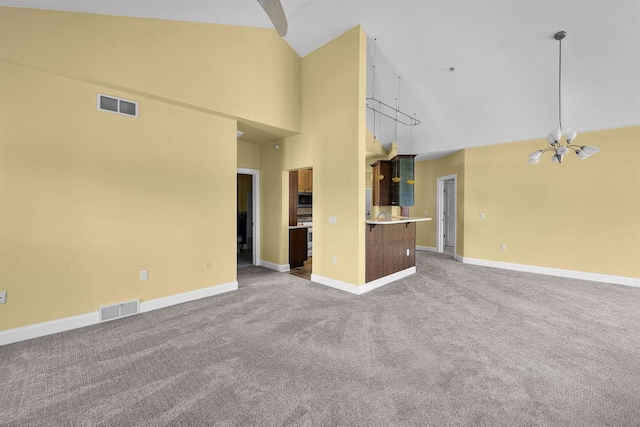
x,y
386,249
293,198
297,247
374,261
305,180
381,182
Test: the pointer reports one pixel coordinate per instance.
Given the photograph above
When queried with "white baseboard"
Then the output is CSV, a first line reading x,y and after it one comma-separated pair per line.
x,y
458,257
387,279
68,323
336,284
163,302
426,249
571,274
359,290
282,268
47,328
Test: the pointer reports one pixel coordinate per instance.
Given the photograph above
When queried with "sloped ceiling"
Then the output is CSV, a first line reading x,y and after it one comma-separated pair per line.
x,y
504,86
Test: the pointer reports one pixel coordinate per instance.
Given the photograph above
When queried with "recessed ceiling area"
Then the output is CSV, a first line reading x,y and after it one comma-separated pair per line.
x,y
504,82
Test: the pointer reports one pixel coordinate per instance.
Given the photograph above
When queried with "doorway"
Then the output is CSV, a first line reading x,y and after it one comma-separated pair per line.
x,y
446,207
248,217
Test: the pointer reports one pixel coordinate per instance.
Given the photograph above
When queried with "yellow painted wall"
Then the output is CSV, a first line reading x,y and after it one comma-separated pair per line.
x,y
248,155
332,142
582,215
426,174
89,198
239,72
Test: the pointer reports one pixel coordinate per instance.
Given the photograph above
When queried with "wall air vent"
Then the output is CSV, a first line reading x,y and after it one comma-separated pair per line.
x,y
116,311
117,105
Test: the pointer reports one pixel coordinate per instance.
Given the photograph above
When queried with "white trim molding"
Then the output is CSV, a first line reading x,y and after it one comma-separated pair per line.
x,y
571,274
68,323
426,249
163,302
369,286
282,268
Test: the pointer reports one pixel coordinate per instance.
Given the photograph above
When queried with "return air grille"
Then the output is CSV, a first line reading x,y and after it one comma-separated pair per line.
x,y
116,311
117,105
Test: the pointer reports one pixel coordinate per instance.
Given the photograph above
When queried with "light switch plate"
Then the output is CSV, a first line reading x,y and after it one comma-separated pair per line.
x,y
481,215
3,297
333,220
144,275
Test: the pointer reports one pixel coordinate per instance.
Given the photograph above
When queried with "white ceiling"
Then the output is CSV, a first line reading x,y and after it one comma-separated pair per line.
x,y
505,84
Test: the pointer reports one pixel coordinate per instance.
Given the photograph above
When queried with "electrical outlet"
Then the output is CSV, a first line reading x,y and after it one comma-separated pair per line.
x,y
3,297
503,247
333,220
144,275
207,265
335,259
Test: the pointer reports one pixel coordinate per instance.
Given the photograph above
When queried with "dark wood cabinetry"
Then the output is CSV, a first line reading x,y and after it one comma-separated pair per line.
x,y
297,246
393,181
386,249
381,181
293,198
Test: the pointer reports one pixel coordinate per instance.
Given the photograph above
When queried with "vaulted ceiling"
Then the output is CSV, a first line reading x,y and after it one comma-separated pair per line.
x,y
504,82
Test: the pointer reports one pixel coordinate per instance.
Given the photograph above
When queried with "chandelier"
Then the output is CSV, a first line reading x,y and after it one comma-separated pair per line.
x,y
554,137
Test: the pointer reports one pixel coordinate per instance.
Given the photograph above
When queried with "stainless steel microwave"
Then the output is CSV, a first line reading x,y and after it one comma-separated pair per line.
x,y
305,200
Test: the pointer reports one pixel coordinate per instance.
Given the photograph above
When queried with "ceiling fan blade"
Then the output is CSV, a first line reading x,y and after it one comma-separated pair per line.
x,y
276,14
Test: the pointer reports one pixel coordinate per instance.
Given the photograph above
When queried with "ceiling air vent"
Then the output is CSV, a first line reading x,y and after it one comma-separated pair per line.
x,y
117,105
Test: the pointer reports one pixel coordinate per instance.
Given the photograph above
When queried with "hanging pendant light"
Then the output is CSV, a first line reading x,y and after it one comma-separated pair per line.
x,y
555,136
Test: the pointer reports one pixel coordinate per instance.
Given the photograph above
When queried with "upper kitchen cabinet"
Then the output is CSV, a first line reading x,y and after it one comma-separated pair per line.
x,y
305,180
402,184
381,180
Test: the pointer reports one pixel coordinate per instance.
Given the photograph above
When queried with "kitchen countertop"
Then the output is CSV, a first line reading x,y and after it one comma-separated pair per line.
x,y
300,225
397,220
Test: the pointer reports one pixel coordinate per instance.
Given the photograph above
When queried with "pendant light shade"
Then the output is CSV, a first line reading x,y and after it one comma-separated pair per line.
x,y
535,155
590,150
555,136
581,154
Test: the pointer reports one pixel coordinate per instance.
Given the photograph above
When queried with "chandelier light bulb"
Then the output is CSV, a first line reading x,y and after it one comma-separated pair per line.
x,y
534,161
563,150
535,155
590,150
582,154
570,135
556,134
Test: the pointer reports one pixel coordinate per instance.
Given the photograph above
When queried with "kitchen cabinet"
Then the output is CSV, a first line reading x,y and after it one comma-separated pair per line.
x,y
305,180
381,180
402,180
297,246
293,198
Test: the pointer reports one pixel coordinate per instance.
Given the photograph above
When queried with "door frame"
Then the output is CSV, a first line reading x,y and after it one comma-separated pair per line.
x,y
255,196
440,209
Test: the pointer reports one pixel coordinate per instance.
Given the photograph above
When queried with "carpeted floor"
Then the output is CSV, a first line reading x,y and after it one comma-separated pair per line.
x,y
453,345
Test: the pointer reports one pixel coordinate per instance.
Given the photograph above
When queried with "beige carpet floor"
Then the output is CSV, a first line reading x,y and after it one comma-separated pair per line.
x,y
453,345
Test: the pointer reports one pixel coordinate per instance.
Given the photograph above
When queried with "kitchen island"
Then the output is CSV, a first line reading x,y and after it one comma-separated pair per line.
x,y
390,247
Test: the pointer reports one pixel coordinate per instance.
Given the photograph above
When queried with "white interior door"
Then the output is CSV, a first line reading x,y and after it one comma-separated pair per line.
x,y
449,213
